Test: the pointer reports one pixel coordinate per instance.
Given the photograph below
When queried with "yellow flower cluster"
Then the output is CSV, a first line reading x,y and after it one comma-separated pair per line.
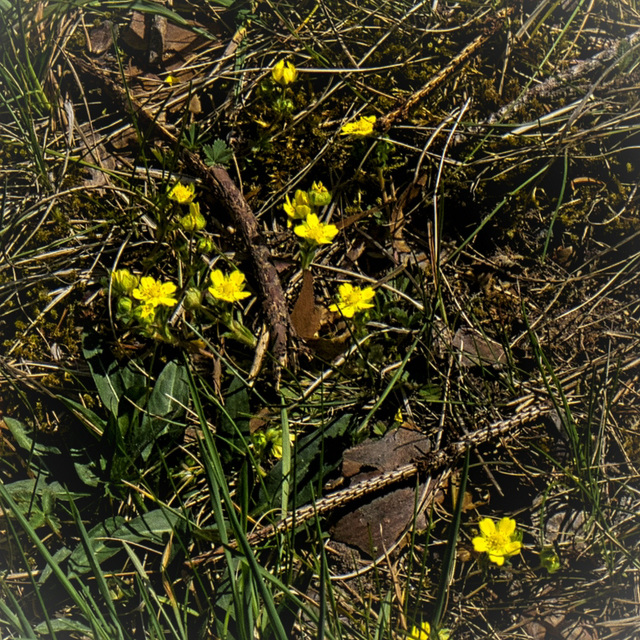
x,y
185,194
352,299
304,203
498,541
303,207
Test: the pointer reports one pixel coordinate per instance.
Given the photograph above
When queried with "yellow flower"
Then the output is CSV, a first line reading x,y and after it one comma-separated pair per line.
x,y
316,232
299,209
274,437
361,127
228,288
171,80
352,299
182,193
497,541
123,282
284,73
194,220
319,195
421,633
153,293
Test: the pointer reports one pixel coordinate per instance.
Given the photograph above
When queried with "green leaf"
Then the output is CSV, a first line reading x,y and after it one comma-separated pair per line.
x,y
170,394
101,545
84,415
218,153
36,499
58,558
165,409
106,538
24,439
63,624
113,380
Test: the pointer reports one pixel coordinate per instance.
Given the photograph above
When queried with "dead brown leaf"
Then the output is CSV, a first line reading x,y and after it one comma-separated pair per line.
x,y
378,524
306,316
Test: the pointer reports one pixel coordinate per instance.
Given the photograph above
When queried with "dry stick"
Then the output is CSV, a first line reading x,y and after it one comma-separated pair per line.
x,y
431,462
225,191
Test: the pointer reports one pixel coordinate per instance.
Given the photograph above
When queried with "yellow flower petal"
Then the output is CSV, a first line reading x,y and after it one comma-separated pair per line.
x,y
423,632
487,527
480,544
499,560
506,526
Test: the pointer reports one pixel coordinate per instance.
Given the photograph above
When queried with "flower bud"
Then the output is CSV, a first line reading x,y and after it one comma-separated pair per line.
x,y
205,245
194,220
124,306
123,282
319,196
192,298
284,73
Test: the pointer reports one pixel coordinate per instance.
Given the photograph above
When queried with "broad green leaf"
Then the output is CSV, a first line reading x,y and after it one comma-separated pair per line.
x,y
63,624
106,538
112,379
24,439
165,409
101,545
170,394
58,558
236,404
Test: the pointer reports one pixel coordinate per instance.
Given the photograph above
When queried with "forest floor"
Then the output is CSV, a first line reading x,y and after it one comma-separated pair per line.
x,y
306,308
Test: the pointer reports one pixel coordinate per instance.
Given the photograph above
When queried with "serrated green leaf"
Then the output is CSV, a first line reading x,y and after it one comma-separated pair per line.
x,y
218,153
